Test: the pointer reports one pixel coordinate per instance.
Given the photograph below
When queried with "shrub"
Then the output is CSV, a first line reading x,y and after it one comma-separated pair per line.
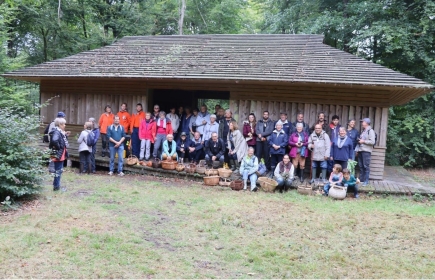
x,y
21,161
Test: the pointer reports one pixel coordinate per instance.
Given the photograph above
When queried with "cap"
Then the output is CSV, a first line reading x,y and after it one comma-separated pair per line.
x,y
213,116
366,120
61,115
183,134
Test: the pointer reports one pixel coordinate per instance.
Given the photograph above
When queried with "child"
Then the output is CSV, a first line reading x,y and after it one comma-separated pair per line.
x,y
336,177
350,182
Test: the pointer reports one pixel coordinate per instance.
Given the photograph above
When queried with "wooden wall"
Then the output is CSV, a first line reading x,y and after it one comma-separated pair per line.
x,y
241,108
85,99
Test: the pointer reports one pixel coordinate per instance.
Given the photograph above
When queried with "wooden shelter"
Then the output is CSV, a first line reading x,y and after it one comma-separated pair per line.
x,y
279,73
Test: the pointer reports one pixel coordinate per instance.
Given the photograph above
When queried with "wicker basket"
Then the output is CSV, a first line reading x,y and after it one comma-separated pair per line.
x,y
224,172
305,189
224,182
132,160
267,184
337,192
236,185
190,168
211,172
156,163
211,180
200,169
179,167
169,164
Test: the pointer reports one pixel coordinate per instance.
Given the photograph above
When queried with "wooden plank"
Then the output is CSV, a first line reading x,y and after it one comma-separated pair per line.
x,y
339,113
331,113
377,121
382,136
294,109
352,112
372,116
345,116
358,117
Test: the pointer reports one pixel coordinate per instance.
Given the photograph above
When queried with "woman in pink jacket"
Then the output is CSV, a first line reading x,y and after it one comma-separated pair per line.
x,y
147,134
298,142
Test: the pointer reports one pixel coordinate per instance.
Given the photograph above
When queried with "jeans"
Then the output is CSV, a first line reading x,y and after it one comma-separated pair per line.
x,y
263,151
145,148
364,159
209,161
120,151
316,164
135,142
252,177
104,142
85,157
283,183
343,163
232,157
160,138
274,160
330,165
92,158
352,154
58,167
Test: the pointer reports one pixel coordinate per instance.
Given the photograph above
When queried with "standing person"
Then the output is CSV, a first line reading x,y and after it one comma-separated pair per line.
x,y
320,145
284,174
202,119
175,121
214,150
298,142
210,128
124,117
192,123
353,134
249,130
248,170
59,153
334,128
185,121
263,130
365,148
300,119
224,128
85,150
169,149
52,125
181,112
96,132
321,119
286,125
116,135
341,149
136,119
196,149
156,111
236,145
106,120
163,128
147,134
220,116
183,144
216,109
278,141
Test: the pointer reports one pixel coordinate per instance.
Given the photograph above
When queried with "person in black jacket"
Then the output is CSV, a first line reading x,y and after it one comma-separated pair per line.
x,y
264,129
183,144
58,145
196,149
214,150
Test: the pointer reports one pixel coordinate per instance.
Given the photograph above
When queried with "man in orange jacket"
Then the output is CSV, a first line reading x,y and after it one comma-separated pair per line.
x,y
124,117
136,119
106,119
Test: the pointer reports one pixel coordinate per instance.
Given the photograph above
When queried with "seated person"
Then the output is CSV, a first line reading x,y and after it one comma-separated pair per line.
x,y
350,182
196,148
284,174
214,150
183,144
335,178
169,149
248,170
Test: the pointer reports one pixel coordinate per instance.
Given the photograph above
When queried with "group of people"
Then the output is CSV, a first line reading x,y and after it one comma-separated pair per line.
x,y
194,135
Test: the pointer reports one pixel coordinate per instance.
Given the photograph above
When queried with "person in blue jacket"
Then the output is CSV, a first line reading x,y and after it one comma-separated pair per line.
x,y
183,144
169,149
353,134
341,149
278,142
196,148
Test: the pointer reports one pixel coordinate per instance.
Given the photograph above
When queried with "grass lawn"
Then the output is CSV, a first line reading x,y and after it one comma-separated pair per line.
x,y
141,227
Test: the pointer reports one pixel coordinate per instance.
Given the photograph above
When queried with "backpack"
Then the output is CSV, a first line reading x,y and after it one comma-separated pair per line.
x,y
376,137
90,140
45,138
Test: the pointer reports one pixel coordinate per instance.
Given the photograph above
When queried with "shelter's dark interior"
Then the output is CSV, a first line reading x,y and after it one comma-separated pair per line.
x,y
166,98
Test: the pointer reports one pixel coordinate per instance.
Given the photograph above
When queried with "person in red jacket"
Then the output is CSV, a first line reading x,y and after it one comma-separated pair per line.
x,y
249,130
147,134
163,128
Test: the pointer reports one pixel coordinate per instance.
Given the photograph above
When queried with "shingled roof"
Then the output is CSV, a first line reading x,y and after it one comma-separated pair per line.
x,y
283,58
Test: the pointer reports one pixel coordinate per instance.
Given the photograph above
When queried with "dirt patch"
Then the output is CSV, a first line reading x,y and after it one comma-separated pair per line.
x,y
82,193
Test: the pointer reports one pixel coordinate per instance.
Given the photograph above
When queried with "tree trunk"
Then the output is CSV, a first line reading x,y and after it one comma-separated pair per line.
x,y
181,19
346,35
375,48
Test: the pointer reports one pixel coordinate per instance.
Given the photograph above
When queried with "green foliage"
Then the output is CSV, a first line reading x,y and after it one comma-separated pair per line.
x,y
21,160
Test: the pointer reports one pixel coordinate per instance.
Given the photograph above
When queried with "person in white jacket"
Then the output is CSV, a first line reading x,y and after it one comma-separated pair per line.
x,y
175,122
85,150
202,120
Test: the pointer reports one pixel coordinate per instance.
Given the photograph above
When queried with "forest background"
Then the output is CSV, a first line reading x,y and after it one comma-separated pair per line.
x,y
398,34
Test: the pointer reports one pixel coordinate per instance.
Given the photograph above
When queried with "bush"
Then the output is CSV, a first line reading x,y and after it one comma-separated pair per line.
x,y
21,161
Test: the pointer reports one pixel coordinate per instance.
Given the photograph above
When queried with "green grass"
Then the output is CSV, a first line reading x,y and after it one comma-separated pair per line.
x,y
134,227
